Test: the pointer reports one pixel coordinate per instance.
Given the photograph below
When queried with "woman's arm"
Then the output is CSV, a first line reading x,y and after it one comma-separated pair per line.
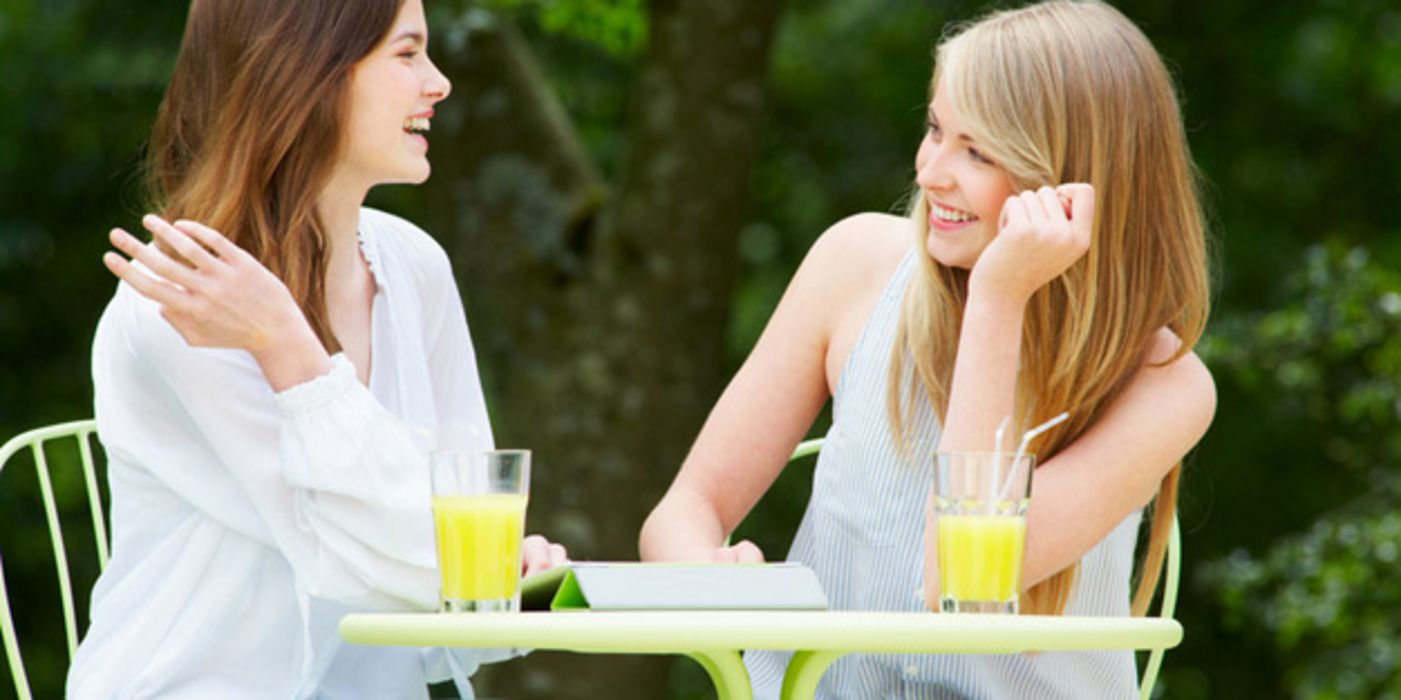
x,y
321,472
1115,467
1123,457
771,402
1040,235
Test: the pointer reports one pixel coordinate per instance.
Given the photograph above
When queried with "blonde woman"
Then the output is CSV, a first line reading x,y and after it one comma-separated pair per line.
x,y
1054,260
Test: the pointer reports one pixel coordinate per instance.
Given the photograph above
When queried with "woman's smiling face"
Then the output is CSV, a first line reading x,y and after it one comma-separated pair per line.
x,y
963,190
391,98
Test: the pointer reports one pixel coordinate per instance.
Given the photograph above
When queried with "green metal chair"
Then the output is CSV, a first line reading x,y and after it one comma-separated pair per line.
x,y
1171,574
1172,571
37,442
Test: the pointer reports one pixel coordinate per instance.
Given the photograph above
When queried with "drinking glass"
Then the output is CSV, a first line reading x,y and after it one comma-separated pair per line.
x,y
980,501
479,499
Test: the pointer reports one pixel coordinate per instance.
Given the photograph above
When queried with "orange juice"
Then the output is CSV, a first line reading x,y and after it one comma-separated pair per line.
x,y
479,544
980,556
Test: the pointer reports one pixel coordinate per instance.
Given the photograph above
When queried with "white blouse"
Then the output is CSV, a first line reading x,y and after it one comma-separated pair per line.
x,y
246,523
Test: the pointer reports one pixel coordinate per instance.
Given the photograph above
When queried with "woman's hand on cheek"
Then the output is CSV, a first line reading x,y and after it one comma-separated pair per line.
x,y
218,296
1040,235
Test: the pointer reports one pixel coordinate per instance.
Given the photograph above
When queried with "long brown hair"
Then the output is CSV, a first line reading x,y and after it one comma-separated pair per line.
x,y
1062,92
249,131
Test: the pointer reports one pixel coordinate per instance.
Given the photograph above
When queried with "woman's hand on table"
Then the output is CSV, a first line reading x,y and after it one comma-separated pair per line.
x,y
742,552
539,554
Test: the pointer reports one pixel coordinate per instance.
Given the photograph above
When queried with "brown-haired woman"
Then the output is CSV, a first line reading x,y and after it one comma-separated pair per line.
x,y
266,380
1054,259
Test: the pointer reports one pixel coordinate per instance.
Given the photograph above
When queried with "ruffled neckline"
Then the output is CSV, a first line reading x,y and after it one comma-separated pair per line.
x,y
370,251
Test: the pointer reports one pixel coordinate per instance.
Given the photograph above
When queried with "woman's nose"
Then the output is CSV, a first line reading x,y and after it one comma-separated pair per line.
x,y
930,170
438,86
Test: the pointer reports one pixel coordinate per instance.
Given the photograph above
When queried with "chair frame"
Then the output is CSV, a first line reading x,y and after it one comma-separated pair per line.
x,y
82,431
1171,575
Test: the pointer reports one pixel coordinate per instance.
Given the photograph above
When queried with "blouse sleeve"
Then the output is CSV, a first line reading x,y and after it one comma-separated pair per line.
x,y
328,476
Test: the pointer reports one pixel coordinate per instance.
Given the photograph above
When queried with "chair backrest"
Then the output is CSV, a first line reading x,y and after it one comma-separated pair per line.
x,y
1170,577
1172,571
37,442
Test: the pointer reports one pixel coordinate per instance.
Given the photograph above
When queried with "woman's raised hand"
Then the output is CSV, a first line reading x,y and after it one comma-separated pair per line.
x,y
219,297
1040,235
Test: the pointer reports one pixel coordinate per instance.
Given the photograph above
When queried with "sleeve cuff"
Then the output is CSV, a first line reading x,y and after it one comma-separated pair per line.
x,y
319,391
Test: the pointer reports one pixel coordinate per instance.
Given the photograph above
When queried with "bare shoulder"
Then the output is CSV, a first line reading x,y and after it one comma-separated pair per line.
x,y
863,243
1164,351
856,253
843,276
1179,377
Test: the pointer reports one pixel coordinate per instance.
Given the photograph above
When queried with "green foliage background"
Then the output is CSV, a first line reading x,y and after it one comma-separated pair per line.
x,y
1290,507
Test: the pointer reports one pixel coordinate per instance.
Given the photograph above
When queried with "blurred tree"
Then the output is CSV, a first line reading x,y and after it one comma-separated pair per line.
x,y
599,303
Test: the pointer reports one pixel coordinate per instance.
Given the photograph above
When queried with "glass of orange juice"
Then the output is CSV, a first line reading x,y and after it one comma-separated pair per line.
x,y
980,501
479,499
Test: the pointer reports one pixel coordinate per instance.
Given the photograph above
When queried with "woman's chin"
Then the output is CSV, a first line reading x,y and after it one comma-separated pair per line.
x,y
947,253
413,176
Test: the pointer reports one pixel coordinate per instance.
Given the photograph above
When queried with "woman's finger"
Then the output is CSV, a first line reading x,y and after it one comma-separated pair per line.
x,y
747,552
152,257
180,242
1053,206
722,555
1013,214
535,555
1082,204
224,248
558,556
159,291
1035,210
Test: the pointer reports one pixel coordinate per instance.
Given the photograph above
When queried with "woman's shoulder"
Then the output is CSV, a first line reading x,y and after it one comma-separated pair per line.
x,y
402,241
134,323
861,250
1165,349
134,338
1173,367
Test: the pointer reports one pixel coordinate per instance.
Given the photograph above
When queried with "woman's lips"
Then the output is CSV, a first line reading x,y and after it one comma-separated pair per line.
x,y
944,224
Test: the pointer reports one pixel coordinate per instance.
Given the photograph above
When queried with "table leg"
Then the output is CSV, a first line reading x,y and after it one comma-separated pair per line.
x,y
805,672
727,672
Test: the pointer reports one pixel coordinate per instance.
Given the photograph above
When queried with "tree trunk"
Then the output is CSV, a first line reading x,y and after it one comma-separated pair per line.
x,y
599,316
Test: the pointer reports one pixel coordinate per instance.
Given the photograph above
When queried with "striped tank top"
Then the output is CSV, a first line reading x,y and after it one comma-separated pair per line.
x,y
862,534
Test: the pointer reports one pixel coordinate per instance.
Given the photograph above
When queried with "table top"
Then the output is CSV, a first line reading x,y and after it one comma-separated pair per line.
x,y
686,631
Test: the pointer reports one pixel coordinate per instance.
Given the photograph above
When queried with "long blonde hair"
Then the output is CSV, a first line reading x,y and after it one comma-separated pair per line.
x,y
250,129
1062,92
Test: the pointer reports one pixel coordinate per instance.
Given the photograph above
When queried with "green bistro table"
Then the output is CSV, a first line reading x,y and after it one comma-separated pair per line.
x,y
716,638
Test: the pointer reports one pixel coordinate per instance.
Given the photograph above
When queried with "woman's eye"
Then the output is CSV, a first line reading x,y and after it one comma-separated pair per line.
x,y
408,54
933,130
978,157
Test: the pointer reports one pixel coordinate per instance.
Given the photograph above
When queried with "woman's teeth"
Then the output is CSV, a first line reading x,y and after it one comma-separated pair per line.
x,y
950,215
416,124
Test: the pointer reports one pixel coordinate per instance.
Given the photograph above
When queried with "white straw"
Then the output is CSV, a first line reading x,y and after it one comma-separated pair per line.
x,y
1027,437
997,448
